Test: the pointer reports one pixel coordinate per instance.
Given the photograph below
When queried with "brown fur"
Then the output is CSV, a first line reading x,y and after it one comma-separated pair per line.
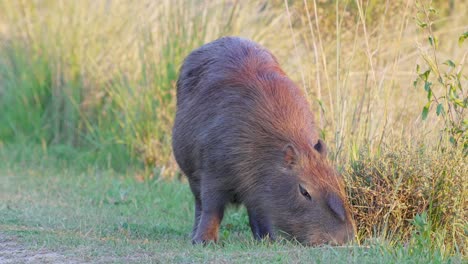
x,y
244,133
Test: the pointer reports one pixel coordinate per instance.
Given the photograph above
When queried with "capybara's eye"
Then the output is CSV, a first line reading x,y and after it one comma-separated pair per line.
x,y
304,192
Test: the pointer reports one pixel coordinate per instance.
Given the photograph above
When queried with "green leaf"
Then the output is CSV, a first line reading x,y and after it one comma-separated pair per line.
x,y
429,94
417,68
420,23
433,41
465,122
452,95
425,111
321,105
427,86
452,140
415,83
425,75
450,63
458,102
462,38
440,109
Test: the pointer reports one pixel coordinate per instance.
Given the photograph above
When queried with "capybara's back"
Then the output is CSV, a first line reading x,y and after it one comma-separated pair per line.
x,y
244,133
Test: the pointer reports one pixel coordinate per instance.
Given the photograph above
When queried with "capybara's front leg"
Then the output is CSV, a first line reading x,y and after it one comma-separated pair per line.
x,y
208,227
195,187
212,211
260,224
198,211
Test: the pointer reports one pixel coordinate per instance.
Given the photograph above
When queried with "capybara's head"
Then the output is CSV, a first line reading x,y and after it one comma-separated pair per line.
x,y
310,202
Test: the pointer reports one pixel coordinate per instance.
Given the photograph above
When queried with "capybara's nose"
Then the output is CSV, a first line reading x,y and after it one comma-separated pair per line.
x,y
348,234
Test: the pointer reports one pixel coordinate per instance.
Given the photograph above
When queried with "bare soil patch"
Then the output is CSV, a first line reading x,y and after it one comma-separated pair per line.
x,y
11,251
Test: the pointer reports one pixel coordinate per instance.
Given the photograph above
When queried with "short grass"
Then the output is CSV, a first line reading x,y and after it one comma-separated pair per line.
x,y
101,216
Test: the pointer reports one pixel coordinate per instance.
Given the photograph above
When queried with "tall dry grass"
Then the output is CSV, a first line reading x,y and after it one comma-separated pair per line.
x,y
396,164
100,76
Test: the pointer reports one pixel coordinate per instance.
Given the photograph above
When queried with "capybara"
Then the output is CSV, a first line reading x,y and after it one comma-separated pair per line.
x,y
244,133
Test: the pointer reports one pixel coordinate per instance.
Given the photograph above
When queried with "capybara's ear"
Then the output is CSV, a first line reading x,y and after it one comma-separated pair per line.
x,y
290,156
321,147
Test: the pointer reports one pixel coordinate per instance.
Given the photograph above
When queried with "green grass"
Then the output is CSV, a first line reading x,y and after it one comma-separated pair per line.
x,y
101,216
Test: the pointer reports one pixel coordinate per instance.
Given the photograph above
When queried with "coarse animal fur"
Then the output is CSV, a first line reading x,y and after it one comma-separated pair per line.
x,y
244,133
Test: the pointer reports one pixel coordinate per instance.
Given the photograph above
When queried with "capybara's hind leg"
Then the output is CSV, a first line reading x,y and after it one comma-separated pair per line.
x,y
260,224
212,212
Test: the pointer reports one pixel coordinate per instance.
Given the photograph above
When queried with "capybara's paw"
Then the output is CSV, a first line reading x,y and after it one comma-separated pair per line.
x,y
203,240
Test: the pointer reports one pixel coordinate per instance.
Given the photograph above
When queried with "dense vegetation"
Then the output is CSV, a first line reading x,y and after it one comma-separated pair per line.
x,y
93,83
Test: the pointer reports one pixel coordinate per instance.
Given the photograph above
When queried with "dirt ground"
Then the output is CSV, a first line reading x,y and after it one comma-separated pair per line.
x,y
13,252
